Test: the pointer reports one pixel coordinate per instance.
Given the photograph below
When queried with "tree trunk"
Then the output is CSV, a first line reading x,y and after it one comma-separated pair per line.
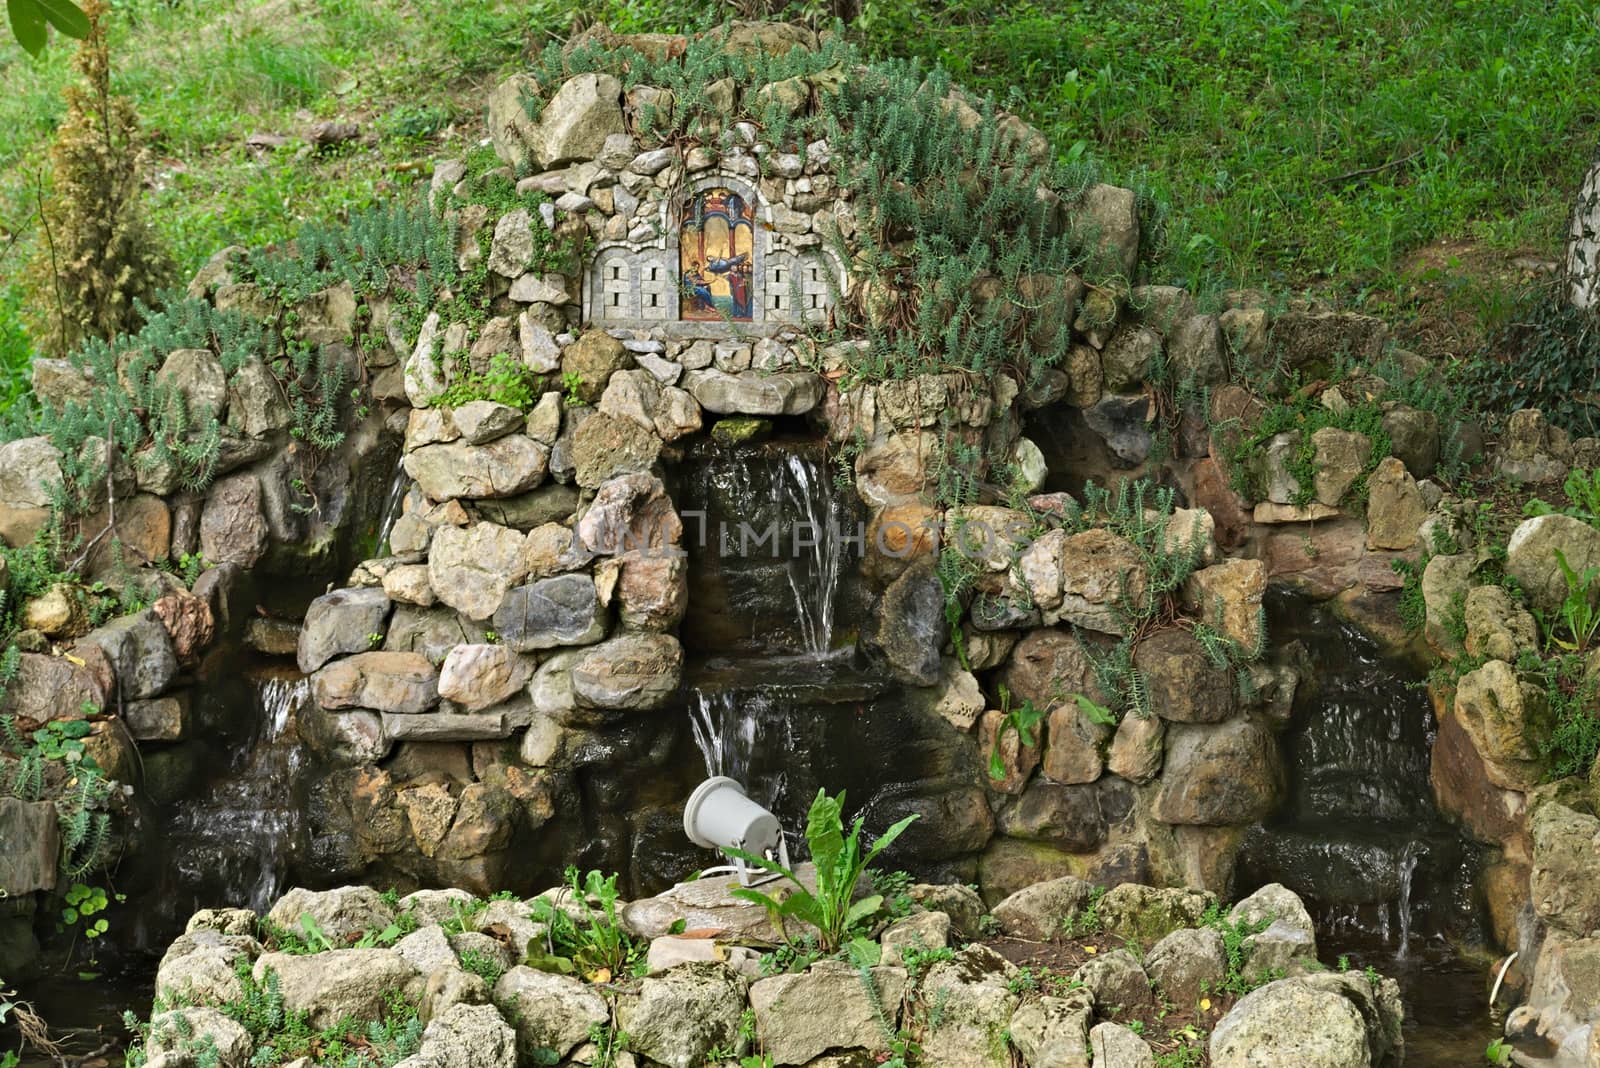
x,y
1581,268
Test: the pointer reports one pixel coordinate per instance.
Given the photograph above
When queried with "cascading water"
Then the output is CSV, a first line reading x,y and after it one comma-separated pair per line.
x,y
1388,880
392,503
235,841
817,560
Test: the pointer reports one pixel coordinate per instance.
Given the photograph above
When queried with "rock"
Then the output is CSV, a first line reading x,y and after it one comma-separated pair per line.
x,y
1067,816
801,1017
512,250
256,405
504,467
1114,1046
549,1012
1287,942
403,683
1312,341
1563,885
1082,578
1118,983
28,862
1137,748
424,372
1148,913
476,677
433,632
1040,912
603,447
1195,351
1394,507
1108,218
1291,1022
1413,439
510,129
754,392
473,568
1184,686
973,987
1531,557
553,612
427,949
159,719
1188,964
1531,450
53,687
1122,421
57,612
1228,596
338,623
140,651
481,422
200,967
1498,627
630,672
29,470
679,1017
233,529
196,375
1444,585
1340,457
177,1031
1015,759
575,122
345,739
652,591
629,512
1054,1031
466,1036
1227,774
594,358
1507,719
340,914
922,931
338,983
1128,357
408,584
908,628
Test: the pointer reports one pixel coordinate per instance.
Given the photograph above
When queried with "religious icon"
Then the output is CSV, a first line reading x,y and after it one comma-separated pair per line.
x,y
716,242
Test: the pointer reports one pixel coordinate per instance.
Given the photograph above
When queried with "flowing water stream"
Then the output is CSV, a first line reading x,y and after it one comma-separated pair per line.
x,y
1388,880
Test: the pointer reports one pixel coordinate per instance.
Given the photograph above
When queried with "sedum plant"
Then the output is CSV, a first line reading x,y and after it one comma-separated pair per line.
x,y
831,908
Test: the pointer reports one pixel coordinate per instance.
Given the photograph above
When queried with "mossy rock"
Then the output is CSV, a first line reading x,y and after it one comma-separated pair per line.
x,y
741,430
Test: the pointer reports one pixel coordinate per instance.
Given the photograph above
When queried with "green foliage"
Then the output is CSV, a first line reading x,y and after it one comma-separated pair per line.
x,y
484,966
1234,933
583,927
1542,353
1582,489
506,381
1498,1053
1574,733
1303,415
1087,920
1580,613
1023,720
99,259
840,862
31,20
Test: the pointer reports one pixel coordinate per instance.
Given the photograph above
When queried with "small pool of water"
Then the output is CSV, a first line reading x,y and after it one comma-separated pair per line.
x,y
85,1016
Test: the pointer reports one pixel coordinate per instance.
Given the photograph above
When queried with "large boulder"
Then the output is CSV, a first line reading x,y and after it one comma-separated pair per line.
x,y
974,989
1285,940
1188,964
1291,1022
504,467
1112,1045
466,1036
473,568
384,682
1118,983
908,628
476,677
553,612
754,392
1531,557
340,914
1565,884
1339,458
1227,774
630,672
679,1017
575,122
1498,627
629,513
1053,1032
549,1012
1093,579
140,651
1040,912
233,529
1149,912
1184,685
201,967
604,446
1506,717
340,623
339,983
30,469
1228,596
32,837
1394,507
175,1036
591,361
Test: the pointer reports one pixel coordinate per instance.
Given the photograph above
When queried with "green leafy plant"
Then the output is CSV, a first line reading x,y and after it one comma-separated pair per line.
x,y
840,862
583,928
572,383
1579,612
1022,719
1583,496
484,966
1498,1053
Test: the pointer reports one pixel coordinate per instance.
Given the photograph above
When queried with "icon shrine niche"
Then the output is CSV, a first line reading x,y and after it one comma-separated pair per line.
x,y
712,266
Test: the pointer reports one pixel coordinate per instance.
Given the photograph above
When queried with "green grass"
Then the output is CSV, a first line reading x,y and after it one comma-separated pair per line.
x,y
1297,140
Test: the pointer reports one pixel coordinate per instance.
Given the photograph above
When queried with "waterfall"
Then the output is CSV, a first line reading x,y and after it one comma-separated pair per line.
x,y
233,843
1408,867
392,506
816,562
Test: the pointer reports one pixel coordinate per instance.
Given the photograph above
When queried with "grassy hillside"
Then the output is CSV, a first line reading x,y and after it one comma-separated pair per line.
x,y
1296,142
